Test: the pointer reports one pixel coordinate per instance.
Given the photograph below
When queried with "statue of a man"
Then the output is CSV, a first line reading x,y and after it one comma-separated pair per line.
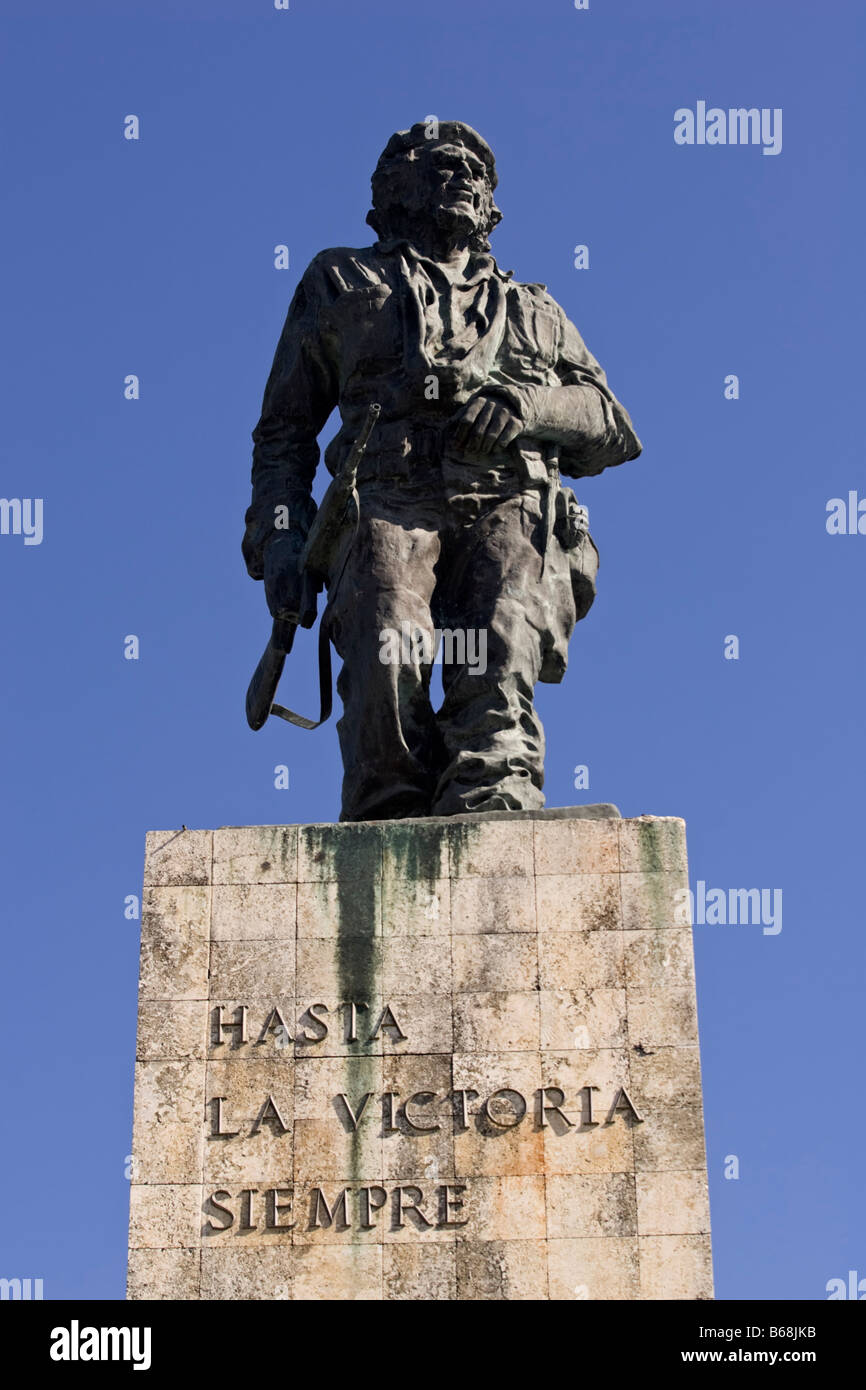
x,y
487,396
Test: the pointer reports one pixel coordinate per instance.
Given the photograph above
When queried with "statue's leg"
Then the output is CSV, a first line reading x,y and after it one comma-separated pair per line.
x,y
382,628
494,740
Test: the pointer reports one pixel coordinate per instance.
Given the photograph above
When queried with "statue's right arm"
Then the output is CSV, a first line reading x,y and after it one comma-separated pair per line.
x,y
299,396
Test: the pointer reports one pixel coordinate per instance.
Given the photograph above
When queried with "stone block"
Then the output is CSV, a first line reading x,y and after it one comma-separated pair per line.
x,y
492,849
673,1204
164,1274
593,1267
228,1275
495,963
501,1135
579,902
253,854
175,927
507,1270
600,1204
582,1018
569,847
171,1029
654,901
496,1022
420,1273
249,1127
502,904
413,908
676,1267
652,844
167,1134
581,960
178,858
164,1216
412,1149
350,908
254,912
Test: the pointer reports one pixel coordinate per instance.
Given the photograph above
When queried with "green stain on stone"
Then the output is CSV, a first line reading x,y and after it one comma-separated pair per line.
x,y
650,847
658,845
463,835
353,859
412,852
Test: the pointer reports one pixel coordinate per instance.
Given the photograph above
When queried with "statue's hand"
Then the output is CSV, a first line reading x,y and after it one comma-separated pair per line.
x,y
484,423
284,587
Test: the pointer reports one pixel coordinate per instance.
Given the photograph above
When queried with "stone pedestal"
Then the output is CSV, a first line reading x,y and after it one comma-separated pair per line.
x,y
431,1059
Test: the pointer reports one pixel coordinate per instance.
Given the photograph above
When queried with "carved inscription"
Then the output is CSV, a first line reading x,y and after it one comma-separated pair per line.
x,y
238,1028
424,1206
427,1206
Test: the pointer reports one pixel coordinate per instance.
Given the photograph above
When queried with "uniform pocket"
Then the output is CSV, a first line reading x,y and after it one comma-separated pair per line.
x,y
365,321
531,333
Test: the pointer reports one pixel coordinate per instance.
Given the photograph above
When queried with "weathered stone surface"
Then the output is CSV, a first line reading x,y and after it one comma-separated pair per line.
x,y
420,1273
266,1274
597,1205
576,847
496,1021
338,1273
495,850
164,1216
652,844
510,1270
164,1274
433,1060
410,1145
175,925
583,1018
591,1267
254,912
167,1131
579,902
178,857
171,1029
581,960
505,903
495,962
672,1204
246,970
255,854
257,1110
667,1075
675,1267
654,901
350,907
495,1141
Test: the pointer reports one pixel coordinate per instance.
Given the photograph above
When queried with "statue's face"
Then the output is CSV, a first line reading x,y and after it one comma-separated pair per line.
x,y
458,185
441,186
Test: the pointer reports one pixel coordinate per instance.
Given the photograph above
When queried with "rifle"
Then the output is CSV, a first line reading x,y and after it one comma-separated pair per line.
x,y
325,553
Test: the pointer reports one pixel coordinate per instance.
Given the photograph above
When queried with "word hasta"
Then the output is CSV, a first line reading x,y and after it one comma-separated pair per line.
x,y
275,1025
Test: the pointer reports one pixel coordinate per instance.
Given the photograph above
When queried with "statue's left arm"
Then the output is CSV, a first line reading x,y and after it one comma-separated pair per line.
x,y
581,414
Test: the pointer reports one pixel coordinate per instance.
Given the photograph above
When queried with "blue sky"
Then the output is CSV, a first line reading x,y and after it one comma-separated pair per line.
x,y
155,257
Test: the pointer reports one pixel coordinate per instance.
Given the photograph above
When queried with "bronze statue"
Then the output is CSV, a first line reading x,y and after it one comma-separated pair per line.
x,y
447,526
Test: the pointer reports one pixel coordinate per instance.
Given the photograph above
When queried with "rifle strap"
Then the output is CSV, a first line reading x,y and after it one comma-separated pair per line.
x,y
325,695
325,692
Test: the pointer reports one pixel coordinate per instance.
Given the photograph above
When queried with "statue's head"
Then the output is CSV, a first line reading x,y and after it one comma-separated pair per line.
x,y
437,178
